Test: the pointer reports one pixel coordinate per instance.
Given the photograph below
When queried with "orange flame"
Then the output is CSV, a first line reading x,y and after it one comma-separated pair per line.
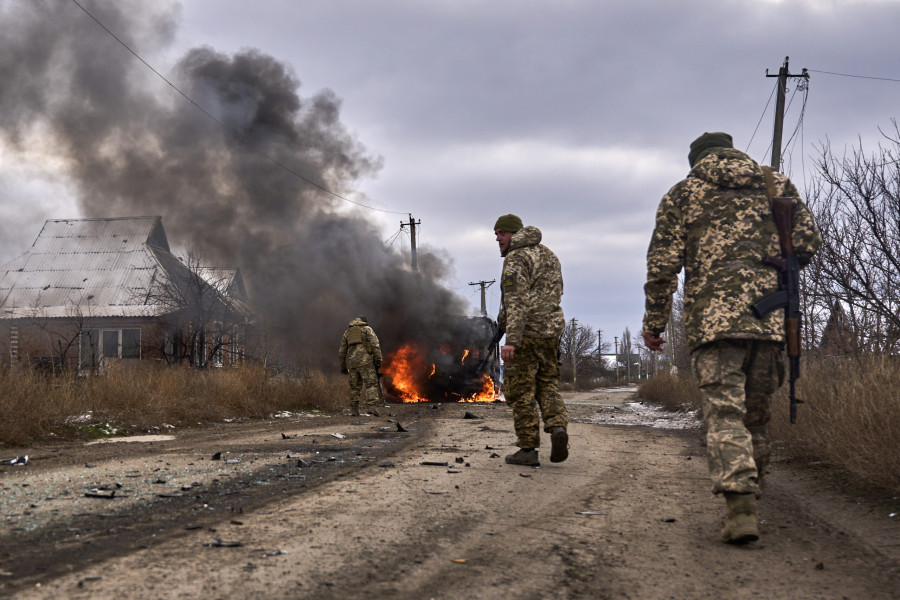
x,y
465,354
487,393
406,368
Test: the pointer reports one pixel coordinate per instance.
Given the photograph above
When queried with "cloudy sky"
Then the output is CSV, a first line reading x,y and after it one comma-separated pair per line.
x,y
574,114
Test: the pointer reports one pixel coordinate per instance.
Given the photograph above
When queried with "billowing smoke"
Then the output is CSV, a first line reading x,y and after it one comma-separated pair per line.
x,y
135,147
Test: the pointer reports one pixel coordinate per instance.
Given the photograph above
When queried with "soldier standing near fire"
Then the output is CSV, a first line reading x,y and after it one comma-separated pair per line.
x,y
530,314
360,355
717,224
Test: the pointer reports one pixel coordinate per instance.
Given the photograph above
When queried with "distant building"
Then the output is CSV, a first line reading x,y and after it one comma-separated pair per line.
x,y
93,292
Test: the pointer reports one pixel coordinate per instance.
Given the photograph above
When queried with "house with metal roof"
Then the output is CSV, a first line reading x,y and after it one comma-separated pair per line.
x,y
90,292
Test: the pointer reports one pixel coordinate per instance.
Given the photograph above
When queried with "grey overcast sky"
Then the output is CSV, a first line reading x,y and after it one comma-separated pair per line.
x,y
574,114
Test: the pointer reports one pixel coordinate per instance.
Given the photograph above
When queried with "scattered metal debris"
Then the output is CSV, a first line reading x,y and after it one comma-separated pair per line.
x,y
435,463
386,463
339,436
285,436
469,415
217,543
98,493
400,427
18,461
589,512
217,456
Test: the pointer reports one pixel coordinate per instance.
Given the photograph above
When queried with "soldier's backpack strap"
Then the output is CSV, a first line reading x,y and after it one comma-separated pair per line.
x,y
770,182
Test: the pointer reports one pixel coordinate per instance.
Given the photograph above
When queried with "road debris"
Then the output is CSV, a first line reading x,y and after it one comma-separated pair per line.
x,y
18,461
469,415
435,463
98,493
589,512
339,436
217,543
285,436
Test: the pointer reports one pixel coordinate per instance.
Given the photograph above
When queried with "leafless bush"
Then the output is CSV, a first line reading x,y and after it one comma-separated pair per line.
x,y
671,391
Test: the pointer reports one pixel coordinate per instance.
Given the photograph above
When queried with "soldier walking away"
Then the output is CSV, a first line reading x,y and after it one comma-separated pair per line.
x,y
360,355
717,224
530,314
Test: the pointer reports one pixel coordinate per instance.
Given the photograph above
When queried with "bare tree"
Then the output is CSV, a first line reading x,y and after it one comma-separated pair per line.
x,y
576,347
856,204
203,316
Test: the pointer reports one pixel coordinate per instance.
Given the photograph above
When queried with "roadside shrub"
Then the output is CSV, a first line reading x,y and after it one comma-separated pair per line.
x,y
850,418
33,406
671,391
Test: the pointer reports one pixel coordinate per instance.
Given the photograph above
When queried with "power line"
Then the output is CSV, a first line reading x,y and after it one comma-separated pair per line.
x,y
766,108
856,76
230,131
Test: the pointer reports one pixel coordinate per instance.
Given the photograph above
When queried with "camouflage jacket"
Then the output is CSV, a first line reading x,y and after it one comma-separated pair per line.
x,y
367,344
717,224
531,288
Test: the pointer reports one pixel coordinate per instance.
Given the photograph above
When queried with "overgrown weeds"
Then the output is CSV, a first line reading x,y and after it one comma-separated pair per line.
x,y
673,392
850,418
33,406
849,421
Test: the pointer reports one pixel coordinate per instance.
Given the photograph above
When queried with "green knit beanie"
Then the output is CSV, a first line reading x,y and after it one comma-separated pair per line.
x,y
510,223
707,142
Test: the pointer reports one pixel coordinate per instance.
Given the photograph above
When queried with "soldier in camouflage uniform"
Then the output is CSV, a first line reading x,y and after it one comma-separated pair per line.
x,y
717,224
530,314
360,355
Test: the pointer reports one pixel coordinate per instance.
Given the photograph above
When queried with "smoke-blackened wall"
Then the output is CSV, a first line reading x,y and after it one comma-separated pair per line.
x,y
133,146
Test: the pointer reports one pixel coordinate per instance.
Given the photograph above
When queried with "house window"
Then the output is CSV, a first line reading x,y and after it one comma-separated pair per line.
x,y
109,343
233,345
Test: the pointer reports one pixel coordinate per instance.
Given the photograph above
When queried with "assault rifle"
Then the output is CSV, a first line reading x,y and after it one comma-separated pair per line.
x,y
490,350
788,294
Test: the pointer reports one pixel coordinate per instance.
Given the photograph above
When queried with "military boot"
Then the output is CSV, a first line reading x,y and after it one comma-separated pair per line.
x,y
529,458
559,449
741,521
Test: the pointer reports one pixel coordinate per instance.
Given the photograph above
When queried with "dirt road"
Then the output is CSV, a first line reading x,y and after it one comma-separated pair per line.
x,y
343,507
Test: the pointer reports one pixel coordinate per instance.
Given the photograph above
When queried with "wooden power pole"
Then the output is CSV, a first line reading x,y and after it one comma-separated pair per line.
x,y
783,74
412,237
484,285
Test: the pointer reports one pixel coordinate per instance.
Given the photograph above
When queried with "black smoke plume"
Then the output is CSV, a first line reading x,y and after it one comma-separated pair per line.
x,y
133,146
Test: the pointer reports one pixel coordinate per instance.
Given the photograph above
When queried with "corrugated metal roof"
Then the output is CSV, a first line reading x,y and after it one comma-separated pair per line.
x,y
90,267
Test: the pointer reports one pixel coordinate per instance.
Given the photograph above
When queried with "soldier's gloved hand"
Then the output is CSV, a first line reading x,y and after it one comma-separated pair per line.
x,y
345,372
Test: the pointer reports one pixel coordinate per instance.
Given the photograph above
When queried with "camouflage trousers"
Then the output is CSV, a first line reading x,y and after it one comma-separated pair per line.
x,y
363,373
737,379
531,382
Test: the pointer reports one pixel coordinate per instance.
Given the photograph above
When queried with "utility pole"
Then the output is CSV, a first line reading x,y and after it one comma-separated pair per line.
x,y
783,74
412,237
617,359
574,356
484,285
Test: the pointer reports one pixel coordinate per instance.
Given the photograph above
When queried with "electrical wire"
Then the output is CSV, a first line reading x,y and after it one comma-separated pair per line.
x,y
766,108
856,76
230,131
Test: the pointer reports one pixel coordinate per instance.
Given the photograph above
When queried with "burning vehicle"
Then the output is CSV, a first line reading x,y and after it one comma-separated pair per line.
x,y
462,367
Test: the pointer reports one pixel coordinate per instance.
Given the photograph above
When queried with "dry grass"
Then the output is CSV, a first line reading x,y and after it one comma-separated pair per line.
x,y
33,406
850,419
672,392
